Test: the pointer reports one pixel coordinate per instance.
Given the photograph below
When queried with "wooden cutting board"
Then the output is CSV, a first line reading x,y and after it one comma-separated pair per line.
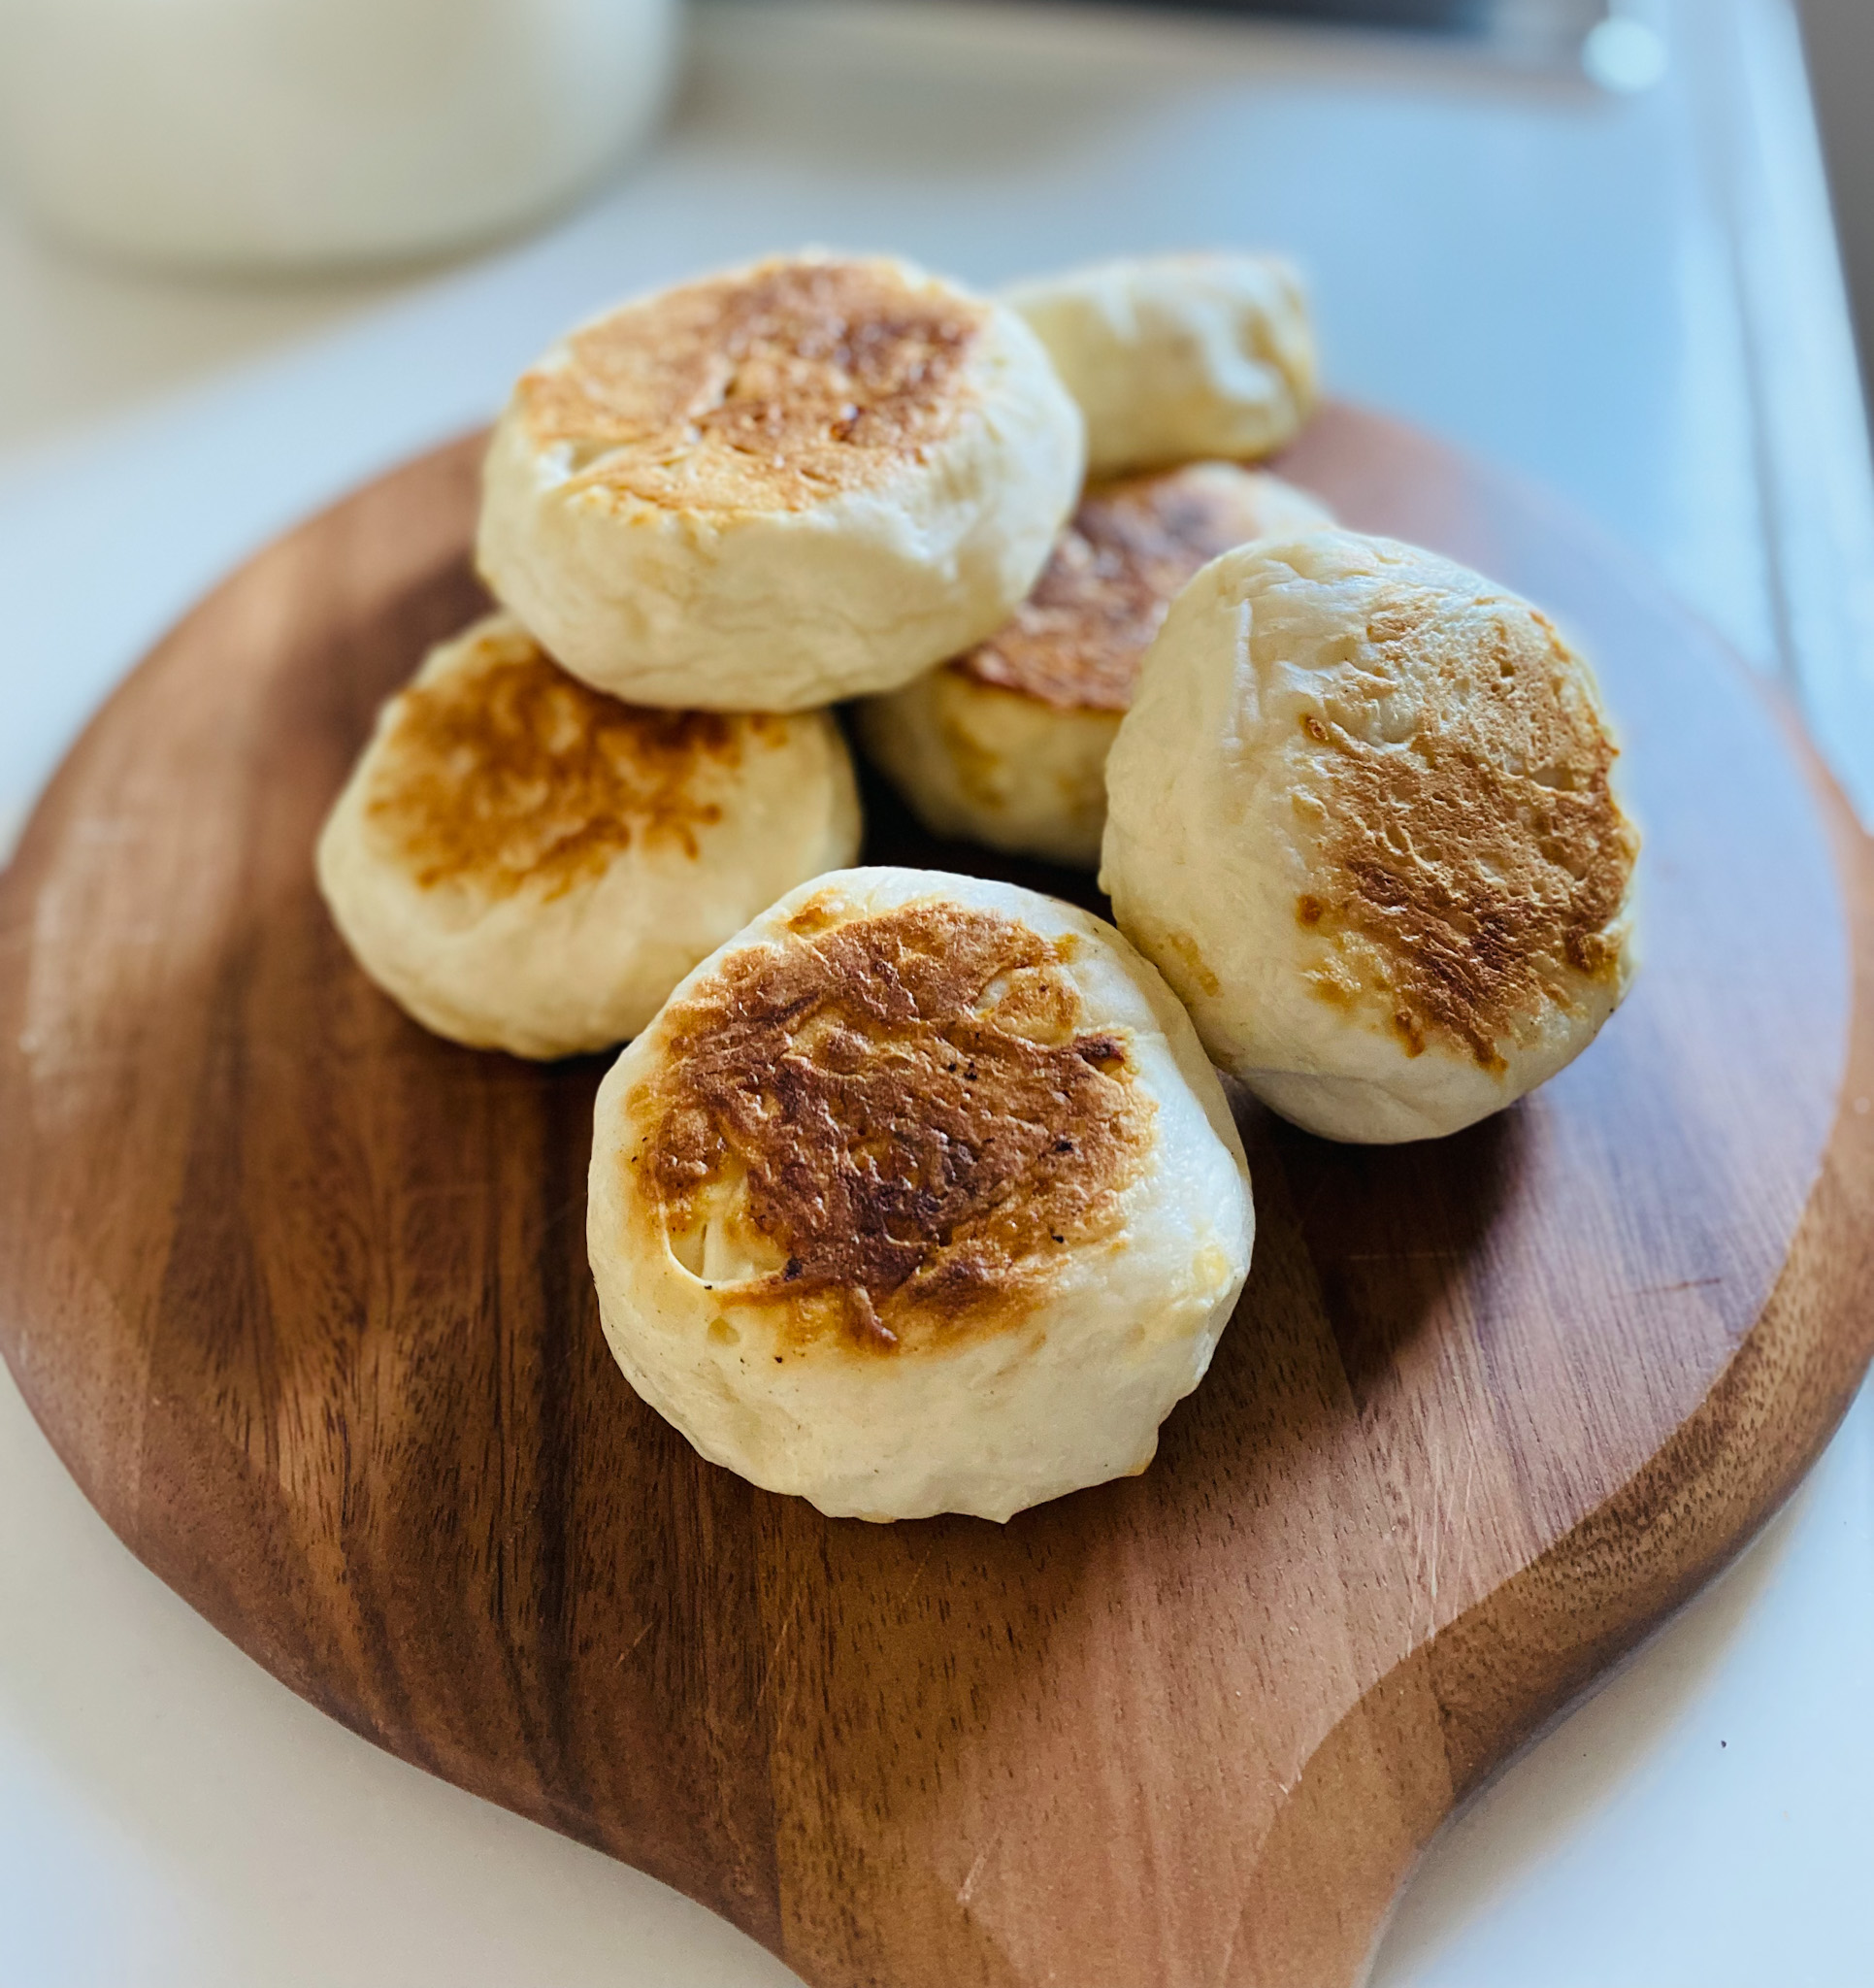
x,y
300,1294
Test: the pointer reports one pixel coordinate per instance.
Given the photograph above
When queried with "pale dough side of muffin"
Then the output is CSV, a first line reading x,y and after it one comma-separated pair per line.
x,y
1176,357
988,765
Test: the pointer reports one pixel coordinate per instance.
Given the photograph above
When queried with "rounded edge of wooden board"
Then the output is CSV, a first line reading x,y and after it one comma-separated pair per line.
x,y
454,462
1454,1714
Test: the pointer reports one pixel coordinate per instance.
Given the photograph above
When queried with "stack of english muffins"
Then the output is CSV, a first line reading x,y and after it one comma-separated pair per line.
x,y
915,1192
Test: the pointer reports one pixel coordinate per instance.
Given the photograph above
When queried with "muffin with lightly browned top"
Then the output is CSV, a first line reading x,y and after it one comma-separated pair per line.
x,y
778,486
525,864
1362,816
1006,743
1175,358
919,1196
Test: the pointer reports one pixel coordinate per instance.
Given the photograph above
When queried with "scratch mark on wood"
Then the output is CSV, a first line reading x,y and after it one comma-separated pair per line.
x,y
966,1890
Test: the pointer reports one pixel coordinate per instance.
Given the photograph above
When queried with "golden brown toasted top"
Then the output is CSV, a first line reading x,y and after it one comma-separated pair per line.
x,y
900,1115
1077,641
1474,867
774,388
506,774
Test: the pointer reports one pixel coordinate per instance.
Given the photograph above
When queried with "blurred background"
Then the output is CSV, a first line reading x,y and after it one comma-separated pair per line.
x,y
360,140
350,145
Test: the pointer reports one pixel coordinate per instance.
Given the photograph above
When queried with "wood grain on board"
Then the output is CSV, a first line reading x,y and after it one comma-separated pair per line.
x,y
300,1294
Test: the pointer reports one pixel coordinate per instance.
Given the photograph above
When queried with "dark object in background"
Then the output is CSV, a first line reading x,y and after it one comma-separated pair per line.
x,y
1520,18
1839,37
1529,30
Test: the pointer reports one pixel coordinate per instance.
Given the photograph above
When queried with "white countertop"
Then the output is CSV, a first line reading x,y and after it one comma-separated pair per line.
x,y
1632,299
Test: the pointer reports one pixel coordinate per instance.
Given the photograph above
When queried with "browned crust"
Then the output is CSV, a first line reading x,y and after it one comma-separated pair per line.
x,y
512,776
920,1123
772,389
1473,877
1077,641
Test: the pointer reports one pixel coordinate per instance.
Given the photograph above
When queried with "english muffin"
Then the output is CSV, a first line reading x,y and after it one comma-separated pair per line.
x,y
1362,816
768,490
1007,743
525,864
1176,357
919,1196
